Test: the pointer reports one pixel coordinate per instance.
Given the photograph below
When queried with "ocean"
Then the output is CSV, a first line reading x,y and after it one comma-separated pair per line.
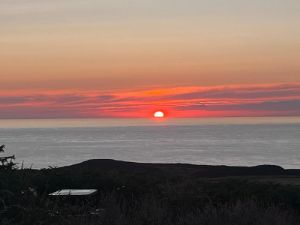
x,y
206,141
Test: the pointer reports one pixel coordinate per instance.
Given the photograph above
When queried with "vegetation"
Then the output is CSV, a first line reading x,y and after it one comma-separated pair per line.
x,y
150,194
6,163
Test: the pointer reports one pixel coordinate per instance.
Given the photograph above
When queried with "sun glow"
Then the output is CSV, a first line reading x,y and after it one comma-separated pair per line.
x,y
159,114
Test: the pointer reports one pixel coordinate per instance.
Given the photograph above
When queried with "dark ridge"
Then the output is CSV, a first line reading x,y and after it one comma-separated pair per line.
x,y
179,169
293,172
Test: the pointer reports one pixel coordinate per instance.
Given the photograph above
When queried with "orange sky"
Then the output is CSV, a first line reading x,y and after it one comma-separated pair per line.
x,y
116,47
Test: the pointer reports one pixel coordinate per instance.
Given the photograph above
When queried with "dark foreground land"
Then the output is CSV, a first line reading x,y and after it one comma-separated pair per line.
x,y
151,194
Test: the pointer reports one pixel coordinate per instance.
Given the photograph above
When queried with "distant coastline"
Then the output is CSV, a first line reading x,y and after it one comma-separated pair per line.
x,y
184,169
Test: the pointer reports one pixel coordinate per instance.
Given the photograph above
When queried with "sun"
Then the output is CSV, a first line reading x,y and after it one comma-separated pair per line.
x,y
159,114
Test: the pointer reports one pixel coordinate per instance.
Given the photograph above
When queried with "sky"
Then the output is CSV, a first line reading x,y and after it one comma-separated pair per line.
x,y
128,58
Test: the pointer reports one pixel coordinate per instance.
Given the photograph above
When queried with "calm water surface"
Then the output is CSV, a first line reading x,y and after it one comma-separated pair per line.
x,y
221,141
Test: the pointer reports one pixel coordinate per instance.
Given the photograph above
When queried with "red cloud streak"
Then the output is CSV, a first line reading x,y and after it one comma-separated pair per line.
x,y
220,101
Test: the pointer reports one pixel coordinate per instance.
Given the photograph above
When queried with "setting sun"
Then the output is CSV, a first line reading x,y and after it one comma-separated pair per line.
x,y
159,114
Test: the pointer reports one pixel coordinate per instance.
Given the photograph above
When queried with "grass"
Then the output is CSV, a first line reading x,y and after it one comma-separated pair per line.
x,y
150,194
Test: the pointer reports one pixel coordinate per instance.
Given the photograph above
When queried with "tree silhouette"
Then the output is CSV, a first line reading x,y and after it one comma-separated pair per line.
x,y
2,147
7,162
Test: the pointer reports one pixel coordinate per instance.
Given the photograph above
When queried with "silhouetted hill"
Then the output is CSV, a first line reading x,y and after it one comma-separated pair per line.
x,y
144,193
180,169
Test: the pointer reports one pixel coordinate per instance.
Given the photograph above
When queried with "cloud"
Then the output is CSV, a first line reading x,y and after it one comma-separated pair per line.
x,y
273,107
243,92
249,100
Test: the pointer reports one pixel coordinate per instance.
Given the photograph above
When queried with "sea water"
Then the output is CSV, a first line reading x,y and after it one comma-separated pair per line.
x,y
209,141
